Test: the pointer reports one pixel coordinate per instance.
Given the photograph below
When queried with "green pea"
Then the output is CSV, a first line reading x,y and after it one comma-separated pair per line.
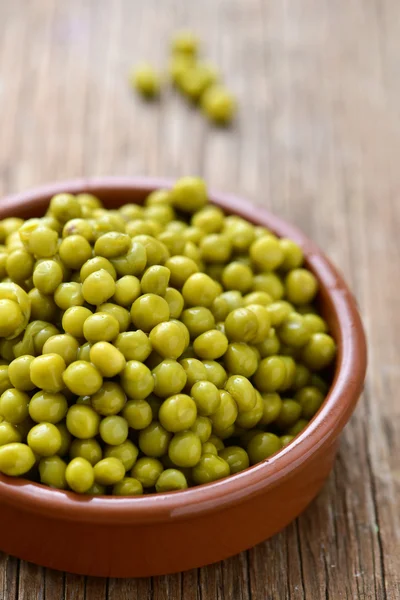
x,y
262,446
154,440
16,459
310,399
177,413
236,457
185,449
88,449
147,470
137,380
270,375
128,486
52,471
171,480
210,468
109,471
319,352
126,452
138,414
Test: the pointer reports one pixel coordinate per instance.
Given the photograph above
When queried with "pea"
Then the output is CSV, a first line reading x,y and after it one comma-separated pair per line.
x,y
48,406
44,439
310,399
301,286
79,475
52,471
178,412
202,427
319,352
289,413
82,378
9,433
137,380
14,406
211,344
155,280
226,413
98,287
195,371
146,81
185,449
215,373
169,378
189,194
210,468
88,449
127,290
262,446
16,459
206,397
270,375
114,430
200,290
147,470
109,400
171,480
148,311
108,359
198,320
128,486
82,421
169,339
272,405
236,457
219,104
126,452
138,414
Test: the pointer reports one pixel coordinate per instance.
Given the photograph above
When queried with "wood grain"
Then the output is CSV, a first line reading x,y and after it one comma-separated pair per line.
x,y
317,140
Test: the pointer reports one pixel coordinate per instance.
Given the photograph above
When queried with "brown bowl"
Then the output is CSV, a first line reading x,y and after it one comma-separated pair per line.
x,y
166,533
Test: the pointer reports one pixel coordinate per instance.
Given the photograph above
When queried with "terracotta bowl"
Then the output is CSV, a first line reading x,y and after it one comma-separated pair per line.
x,y
166,533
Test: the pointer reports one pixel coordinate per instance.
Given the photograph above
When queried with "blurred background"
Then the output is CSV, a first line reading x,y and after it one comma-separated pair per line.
x,y
316,140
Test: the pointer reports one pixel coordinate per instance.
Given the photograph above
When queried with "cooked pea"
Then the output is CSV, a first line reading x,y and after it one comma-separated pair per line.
x,y
195,371
19,373
134,345
98,287
215,373
52,471
169,339
113,430
48,406
210,468
147,470
82,421
82,378
148,311
44,439
236,457
319,352
88,449
128,486
146,80
16,459
226,414
154,440
289,414
262,446
218,104
126,452
185,449
270,375
178,412
301,286
127,290
137,380
9,434
175,302
294,331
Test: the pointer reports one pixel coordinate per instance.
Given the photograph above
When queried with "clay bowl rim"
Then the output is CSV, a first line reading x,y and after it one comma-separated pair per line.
x,y
321,432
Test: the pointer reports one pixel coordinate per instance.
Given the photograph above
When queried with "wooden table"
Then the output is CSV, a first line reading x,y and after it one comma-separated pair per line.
x,y
317,140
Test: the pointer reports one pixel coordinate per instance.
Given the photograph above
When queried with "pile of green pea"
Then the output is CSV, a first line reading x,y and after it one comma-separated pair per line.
x,y
152,348
196,79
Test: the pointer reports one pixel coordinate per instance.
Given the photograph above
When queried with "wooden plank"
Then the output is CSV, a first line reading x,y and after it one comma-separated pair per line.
x,y
317,140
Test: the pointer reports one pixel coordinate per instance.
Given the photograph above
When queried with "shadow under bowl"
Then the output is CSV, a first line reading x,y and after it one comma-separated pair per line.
x,y
176,531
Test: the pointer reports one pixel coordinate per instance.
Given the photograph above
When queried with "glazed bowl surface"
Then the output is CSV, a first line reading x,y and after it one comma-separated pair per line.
x,y
165,533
